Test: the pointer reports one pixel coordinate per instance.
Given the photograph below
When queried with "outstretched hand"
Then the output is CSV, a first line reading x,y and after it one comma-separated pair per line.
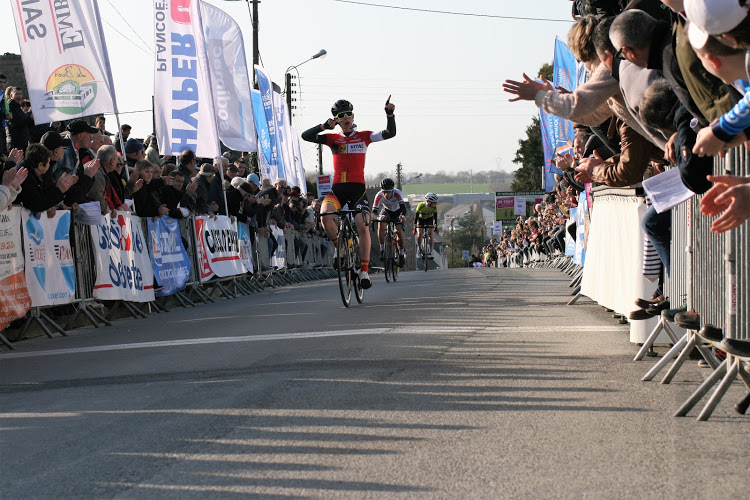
x,y
712,204
527,89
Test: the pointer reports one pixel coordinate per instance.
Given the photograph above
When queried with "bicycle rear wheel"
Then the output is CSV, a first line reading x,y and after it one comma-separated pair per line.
x,y
387,256
345,268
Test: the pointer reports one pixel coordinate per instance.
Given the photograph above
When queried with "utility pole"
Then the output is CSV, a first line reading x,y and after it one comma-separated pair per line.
x,y
256,49
320,159
398,176
289,91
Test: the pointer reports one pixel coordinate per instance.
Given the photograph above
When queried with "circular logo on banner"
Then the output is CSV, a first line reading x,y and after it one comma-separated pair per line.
x,y
71,89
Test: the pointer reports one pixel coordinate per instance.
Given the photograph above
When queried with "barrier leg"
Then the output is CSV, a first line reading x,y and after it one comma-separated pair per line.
x,y
701,390
575,299
6,342
720,391
661,325
665,359
202,295
184,300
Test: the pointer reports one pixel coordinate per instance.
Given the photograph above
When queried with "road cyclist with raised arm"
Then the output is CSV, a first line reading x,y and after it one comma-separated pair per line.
x,y
349,149
393,206
425,219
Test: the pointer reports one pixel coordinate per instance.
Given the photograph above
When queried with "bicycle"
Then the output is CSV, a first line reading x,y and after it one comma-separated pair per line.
x,y
348,260
390,251
425,244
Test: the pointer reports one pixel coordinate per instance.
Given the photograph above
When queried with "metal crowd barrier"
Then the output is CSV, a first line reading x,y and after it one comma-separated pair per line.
x,y
315,265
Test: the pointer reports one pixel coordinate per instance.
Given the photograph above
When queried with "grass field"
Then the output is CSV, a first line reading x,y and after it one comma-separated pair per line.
x,y
448,188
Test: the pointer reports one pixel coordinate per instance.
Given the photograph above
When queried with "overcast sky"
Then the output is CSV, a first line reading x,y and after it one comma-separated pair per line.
x,y
444,71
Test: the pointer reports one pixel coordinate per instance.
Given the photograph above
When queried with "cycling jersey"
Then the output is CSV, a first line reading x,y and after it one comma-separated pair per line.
x,y
349,150
395,204
425,215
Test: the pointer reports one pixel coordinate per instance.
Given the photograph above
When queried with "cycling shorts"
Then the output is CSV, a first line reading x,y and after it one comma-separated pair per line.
x,y
426,222
352,194
391,215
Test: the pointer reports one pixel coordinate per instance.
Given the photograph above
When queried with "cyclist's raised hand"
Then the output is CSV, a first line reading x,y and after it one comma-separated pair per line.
x,y
329,124
389,107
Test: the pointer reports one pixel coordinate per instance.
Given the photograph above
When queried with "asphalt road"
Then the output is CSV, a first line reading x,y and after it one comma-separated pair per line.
x,y
470,383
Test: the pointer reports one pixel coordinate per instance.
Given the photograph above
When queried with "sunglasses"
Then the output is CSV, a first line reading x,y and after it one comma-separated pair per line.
x,y
387,191
344,114
618,54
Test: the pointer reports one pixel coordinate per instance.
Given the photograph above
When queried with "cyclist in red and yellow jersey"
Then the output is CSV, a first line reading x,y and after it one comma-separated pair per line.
x,y
349,149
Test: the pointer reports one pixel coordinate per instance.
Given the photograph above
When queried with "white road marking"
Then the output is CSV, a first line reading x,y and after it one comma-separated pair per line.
x,y
182,342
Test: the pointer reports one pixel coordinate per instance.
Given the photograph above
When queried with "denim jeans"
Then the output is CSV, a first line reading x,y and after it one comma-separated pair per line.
x,y
658,228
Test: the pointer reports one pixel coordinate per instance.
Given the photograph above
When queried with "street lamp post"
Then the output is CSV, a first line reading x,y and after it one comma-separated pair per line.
x,y
288,77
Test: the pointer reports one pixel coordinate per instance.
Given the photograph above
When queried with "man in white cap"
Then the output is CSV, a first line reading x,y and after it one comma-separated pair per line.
x,y
727,21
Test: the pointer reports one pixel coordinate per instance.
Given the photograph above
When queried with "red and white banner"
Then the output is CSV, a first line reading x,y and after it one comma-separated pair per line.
x,y
65,59
183,98
123,266
14,297
217,247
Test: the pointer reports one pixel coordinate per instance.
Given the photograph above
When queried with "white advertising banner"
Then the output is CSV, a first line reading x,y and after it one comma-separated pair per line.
x,y
229,77
217,247
14,296
324,184
50,268
121,259
297,155
65,59
183,97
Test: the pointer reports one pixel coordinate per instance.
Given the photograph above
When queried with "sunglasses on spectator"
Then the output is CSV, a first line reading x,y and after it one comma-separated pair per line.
x,y
344,114
618,54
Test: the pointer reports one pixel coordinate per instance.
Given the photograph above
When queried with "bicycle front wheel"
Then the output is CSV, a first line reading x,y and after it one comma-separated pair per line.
x,y
425,246
359,292
343,264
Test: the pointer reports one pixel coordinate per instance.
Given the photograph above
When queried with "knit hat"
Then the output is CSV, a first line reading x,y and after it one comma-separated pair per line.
x,y
53,140
133,146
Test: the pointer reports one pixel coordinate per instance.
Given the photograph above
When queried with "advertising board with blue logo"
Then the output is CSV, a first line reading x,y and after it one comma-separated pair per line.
x,y
169,259
121,260
217,247
50,268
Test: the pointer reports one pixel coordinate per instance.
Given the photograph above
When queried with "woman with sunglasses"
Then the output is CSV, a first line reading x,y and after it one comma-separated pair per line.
x,y
349,149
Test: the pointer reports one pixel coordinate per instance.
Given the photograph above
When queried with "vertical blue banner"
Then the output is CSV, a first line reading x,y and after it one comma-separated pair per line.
x,y
261,127
557,133
265,86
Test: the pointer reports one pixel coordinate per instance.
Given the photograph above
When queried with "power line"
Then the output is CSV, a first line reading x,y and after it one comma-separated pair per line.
x,y
128,39
456,13
131,28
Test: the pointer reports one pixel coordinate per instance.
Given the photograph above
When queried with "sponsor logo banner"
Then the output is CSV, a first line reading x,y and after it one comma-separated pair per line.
x,y
265,87
218,247
169,259
264,138
278,258
183,97
50,267
65,59
14,296
123,267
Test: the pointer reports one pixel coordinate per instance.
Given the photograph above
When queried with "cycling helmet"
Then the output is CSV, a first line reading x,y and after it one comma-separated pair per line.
x,y
387,184
341,105
431,197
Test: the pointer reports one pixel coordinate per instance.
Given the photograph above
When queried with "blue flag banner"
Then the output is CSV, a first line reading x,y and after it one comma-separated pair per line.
x,y
265,86
557,133
264,140
168,256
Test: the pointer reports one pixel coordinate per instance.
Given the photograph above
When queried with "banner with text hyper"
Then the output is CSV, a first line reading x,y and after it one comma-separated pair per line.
x,y
217,247
121,260
228,66
169,259
65,59
50,267
183,97
14,296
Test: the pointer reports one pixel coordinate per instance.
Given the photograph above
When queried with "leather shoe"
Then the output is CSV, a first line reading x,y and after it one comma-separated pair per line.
x,y
736,347
644,303
711,333
690,320
658,307
669,314
641,314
